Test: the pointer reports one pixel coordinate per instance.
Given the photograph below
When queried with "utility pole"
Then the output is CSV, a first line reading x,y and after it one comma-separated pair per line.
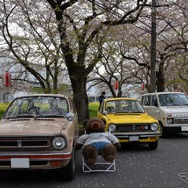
x,y
153,48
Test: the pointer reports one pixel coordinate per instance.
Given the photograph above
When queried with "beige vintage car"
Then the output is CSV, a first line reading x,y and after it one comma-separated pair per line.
x,y
39,132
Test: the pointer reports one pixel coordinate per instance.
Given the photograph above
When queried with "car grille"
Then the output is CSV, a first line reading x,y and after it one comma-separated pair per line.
x,y
31,143
132,128
181,121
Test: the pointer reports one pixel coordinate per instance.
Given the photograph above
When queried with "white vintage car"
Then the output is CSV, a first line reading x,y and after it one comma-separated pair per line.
x,y
170,109
39,132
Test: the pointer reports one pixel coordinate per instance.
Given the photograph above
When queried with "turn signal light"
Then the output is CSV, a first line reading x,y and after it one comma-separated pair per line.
x,y
56,163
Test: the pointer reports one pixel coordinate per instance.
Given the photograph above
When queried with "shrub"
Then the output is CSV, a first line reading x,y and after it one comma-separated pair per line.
x,y
3,107
93,108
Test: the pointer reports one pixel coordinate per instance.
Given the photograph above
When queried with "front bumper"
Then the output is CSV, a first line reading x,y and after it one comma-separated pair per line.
x,y
138,137
25,160
177,129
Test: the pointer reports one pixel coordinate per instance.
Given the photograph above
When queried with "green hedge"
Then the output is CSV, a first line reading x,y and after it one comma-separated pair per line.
x,y
3,107
93,108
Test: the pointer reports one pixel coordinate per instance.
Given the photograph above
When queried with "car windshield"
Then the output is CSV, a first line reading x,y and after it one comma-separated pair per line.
x,y
124,106
37,106
173,99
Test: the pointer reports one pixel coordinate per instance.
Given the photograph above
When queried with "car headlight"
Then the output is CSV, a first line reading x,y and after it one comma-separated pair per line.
x,y
111,128
58,143
154,126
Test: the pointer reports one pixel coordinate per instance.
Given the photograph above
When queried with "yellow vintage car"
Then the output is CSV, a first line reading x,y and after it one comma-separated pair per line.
x,y
127,119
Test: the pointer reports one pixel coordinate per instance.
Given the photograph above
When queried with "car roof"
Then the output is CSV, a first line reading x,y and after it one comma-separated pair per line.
x,y
43,95
119,98
162,93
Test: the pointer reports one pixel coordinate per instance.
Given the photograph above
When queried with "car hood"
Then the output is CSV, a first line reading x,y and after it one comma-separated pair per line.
x,y
175,109
32,127
130,118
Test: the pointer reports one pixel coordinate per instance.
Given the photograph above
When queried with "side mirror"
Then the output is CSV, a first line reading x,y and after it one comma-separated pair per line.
x,y
157,114
70,116
105,113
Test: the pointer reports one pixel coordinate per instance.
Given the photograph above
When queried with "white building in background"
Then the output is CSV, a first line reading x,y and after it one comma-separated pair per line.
x,y
6,64
19,88
17,71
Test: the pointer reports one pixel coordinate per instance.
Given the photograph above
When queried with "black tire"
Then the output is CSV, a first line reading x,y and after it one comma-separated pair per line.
x,y
69,170
164,132
153,145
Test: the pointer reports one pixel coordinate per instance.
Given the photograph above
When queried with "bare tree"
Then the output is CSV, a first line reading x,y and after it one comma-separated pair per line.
x,y
86,20
171,42
114,66
170,67
29,34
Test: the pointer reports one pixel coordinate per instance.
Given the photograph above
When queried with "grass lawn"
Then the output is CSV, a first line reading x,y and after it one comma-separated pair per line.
x,y
93,108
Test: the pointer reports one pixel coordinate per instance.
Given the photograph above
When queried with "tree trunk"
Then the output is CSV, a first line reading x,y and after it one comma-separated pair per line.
x,y
80,97
160,83
160,80
153,48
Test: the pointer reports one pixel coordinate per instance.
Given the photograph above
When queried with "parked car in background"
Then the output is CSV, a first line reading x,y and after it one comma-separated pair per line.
x,y
39,132
128,121
170,108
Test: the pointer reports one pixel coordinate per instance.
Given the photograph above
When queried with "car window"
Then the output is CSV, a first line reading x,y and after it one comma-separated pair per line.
x,y
118,106
40,106
146,100
173,99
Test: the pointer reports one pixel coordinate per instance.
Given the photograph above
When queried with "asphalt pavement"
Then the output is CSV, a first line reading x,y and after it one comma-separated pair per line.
x,y
137,167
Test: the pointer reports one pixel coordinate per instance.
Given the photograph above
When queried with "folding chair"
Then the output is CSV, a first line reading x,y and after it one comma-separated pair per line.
x,y
100,166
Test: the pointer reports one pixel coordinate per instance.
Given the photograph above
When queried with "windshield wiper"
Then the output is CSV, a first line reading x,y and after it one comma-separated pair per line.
x,y
129,112
54,115
23,115
120,112
19,116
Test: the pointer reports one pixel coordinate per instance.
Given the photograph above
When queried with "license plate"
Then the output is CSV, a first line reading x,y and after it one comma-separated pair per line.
x,y
19,162
184,128
133,138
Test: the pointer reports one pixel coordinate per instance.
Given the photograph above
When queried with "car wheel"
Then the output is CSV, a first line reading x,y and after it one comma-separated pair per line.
x,y
153,145
164,132
69,170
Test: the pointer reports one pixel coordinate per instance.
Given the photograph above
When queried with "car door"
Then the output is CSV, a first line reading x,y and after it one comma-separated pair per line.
x,y
150,104
153,110
146,101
